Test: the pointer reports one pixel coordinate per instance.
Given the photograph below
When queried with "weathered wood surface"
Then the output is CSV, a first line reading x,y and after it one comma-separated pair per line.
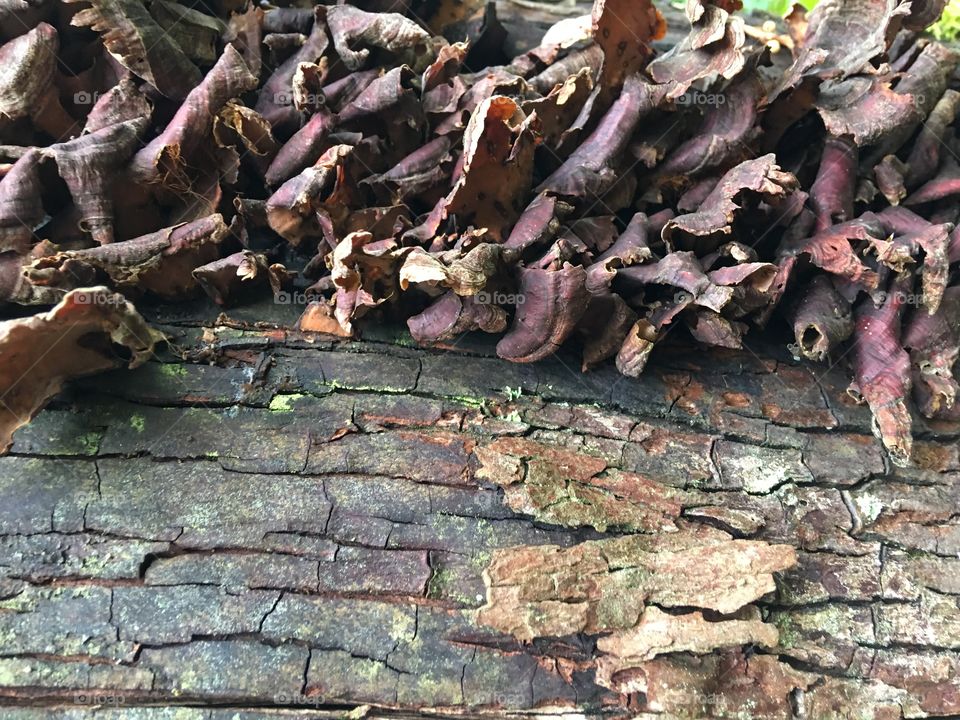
x,y
280,527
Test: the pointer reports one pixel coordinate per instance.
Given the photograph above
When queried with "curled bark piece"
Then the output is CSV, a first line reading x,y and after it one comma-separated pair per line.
x,y
933,341
351,27
925,154
604,585
466,275
933,242
634,353
590,170
625,29
588,59
714,46
194,32
318,317
275,101
418,172
223,279
603,327
163,159
713,329
365,274
248,35
889,175
882,371
683,271
292,209
88,165
160,263
89,331
945,184
722,136
760,177
831,194
560,107
21,209
822,320
496,169
27,72
867,109
550,302
832,250
631,247
302,150
451,315
924,13
120,103
539,223
827,50
140,44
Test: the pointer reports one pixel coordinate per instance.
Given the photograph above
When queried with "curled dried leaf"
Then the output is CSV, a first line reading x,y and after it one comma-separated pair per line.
x,y
351,27
822,320
88,165
882,371
90,330
140,44
550,302
164,158
451,315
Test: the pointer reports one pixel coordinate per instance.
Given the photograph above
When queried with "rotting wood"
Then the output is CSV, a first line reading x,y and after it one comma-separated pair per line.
x,y
282,522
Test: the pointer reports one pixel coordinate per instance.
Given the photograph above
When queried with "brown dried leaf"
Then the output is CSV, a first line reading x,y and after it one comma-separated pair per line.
x,y
351,28
165,157
140,44
89,331
550,302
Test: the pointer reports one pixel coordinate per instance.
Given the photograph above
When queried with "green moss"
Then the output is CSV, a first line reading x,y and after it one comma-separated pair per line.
x,y
173,369
138,423
89,443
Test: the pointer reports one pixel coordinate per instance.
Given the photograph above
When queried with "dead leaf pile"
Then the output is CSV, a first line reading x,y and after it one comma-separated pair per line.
x,y
591,190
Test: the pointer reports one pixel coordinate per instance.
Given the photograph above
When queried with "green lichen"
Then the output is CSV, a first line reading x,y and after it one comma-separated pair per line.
x,y
436,586
512,393
138,423
787,630
473,402
284,403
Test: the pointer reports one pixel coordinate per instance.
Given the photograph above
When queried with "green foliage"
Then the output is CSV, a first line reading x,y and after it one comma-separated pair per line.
x,y
777,8
948,27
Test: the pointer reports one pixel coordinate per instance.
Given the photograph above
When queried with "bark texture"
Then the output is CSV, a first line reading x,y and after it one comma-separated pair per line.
x,y
280,526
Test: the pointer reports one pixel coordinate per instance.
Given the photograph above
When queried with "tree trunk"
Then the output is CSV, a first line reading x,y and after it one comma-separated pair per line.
x,y
278,523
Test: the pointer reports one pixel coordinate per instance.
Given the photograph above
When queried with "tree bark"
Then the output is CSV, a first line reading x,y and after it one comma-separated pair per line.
x,y
277,522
